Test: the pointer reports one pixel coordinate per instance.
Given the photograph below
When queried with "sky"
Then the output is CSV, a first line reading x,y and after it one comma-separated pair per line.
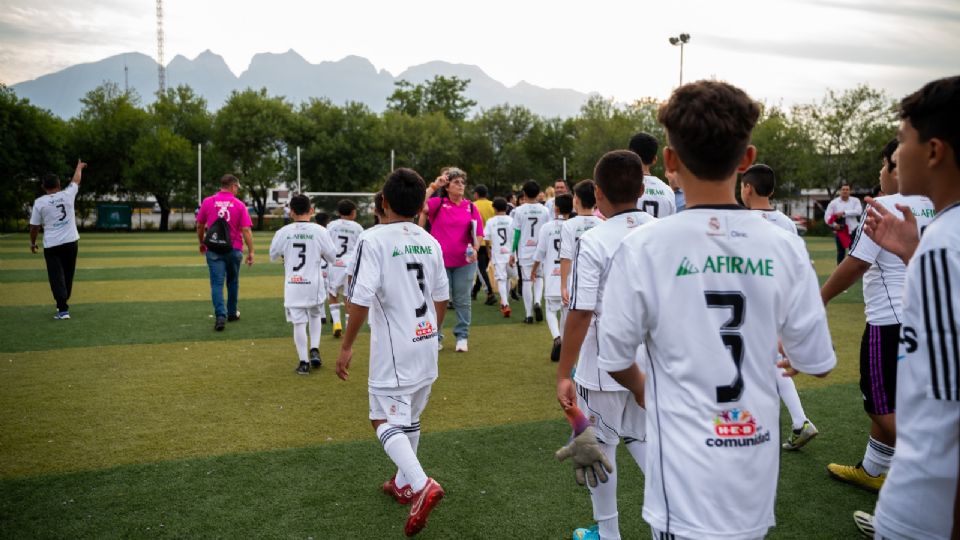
x,y
779,51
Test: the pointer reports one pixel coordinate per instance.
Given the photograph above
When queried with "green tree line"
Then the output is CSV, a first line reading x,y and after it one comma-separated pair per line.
x,y
136,151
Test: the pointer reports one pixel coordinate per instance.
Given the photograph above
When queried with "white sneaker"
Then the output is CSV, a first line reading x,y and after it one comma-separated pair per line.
x,y
461,345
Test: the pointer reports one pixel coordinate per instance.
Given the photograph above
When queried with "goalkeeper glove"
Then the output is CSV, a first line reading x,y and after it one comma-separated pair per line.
x,y
590,465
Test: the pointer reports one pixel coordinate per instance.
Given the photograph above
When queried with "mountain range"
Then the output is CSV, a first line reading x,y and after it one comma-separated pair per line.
x,y
288,74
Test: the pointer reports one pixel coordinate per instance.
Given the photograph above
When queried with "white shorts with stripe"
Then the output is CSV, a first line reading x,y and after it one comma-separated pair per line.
x,y
400,410
614,415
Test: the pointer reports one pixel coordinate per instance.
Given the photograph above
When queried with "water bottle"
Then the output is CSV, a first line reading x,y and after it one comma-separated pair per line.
x,y
470,252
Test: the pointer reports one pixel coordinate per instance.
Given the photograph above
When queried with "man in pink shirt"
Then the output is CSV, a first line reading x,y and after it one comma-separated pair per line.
x,y
226,266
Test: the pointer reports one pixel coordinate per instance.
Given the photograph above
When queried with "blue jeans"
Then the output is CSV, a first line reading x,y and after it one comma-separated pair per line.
x,y
224,266
461,282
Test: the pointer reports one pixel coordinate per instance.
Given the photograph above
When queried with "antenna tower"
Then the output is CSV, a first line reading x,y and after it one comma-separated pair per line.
x,y
161,70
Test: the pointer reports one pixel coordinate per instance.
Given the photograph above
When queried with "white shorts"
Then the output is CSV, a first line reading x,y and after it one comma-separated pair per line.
x,y
402,410
526,269
503,271
554,304
336,279
301,315
614,415
660,535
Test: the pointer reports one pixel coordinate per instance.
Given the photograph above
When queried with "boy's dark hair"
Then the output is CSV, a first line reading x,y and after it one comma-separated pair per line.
x,y
531,189
405,190
50,181
322,218
584,190
619,173
300,205
378,204
500,204
345,207
564,203
481,191
644,145
887,154
934,111
708,125
228,180
761,178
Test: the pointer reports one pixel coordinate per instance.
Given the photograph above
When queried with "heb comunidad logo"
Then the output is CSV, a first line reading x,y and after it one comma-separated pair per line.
x,y
425,330
736,428
727,264
412,250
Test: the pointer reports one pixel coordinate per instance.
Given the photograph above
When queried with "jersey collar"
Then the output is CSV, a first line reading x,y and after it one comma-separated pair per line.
x,y
717,207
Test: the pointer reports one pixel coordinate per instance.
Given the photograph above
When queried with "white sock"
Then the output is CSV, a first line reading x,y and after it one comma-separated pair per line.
x,y
413,435
790,397
637,449
316,328
335,313
538,290
563,319
503,286
300,340
876,460
553,324
397,446
527,296
604,498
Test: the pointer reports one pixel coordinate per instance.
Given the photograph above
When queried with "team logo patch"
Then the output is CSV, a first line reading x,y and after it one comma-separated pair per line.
x,y
736,428
531,243
424,330
714,228
631,222
393,410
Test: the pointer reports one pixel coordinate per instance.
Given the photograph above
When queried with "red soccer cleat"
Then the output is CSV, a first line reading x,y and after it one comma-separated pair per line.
x,y
423,504
402,496
506,311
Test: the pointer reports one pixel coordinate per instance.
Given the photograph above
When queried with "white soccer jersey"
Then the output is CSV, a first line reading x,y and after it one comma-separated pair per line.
x,y
55,213
573,229
883,282
364,234
399,275
851,210
303,245
548,253
344,234
590,264
657,199
498,230
528,218
917,499
708,292
779,219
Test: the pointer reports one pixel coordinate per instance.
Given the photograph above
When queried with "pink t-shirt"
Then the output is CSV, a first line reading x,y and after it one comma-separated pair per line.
x,y
450,225
236,214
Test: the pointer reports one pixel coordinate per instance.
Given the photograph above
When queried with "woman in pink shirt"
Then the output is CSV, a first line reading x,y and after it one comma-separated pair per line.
x,y
456,224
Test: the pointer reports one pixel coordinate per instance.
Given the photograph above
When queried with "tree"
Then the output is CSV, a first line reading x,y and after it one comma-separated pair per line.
x,y
163,163
494,140
441,94
787,147
31,144
602,126
184,113
424,143
249,131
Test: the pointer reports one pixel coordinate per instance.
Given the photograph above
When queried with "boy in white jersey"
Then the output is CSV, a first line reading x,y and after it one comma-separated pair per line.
x,y
303,245
497,232
657,198
921,496
344,233
756,188
54,212
720,272
883,275
400,280
527,220
584,204
613,413
548,259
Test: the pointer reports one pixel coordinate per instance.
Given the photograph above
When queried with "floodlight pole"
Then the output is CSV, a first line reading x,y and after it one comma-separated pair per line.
x,y
564,168
298,171
199,175
680,40
393,155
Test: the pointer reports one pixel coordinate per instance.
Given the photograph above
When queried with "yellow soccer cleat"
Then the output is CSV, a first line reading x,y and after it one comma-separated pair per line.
x,y
854,474
337,330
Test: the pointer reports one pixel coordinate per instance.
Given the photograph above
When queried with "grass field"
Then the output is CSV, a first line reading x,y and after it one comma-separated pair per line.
x,y
135,420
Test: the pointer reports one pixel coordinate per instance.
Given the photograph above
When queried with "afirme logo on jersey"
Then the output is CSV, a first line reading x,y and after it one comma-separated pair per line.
x,y
736,427
727,264
413,250
424,331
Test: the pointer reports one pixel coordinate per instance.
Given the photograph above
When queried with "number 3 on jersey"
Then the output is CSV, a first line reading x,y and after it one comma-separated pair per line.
x,y
730,334
418,268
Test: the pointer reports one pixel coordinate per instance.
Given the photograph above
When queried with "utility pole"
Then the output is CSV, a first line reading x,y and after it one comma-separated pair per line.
x,y
680,40
161,70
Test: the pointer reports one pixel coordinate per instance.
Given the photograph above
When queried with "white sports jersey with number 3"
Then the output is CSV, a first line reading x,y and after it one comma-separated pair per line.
x,y
344,235
528,218
708,291
399,275
55,213
303,245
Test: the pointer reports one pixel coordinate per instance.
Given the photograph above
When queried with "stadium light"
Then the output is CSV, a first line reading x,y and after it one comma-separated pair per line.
x,y
680,40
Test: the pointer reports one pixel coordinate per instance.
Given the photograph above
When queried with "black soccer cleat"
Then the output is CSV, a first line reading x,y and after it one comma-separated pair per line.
x,y
528,320
220,324
491,299
555,351
538,312
234,317
315,361
303,368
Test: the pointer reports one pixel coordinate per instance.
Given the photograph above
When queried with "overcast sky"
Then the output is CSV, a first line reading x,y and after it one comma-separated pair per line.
x,y
785,51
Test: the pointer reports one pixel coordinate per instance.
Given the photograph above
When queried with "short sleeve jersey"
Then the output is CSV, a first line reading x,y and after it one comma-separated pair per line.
x,y
725,276
883,282
917,499
657,199
528,218
573,229
55,213
344,234
850,209
399,274
364,234
234,211
303,246
498,231
587,278
548,253
779,219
